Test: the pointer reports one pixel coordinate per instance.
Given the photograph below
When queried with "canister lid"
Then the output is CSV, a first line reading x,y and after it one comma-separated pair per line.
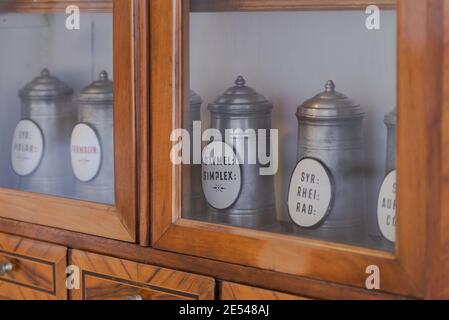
x,y
99,91
330,104
391,118
45,86
241,99
195,99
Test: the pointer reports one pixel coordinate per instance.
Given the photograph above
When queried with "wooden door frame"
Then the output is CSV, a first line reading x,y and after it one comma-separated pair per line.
x,y
110,221
277,5
414,270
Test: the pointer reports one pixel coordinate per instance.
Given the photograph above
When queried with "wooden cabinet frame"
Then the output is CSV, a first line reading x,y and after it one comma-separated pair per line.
x,y
46,6
268,5
111,221
422,248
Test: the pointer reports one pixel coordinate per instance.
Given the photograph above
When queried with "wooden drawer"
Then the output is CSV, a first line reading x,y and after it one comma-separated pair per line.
x,y
38,269
234,291
106,278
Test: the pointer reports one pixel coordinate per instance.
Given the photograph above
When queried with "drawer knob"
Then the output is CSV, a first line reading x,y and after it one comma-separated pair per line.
x,y
5,268
136,297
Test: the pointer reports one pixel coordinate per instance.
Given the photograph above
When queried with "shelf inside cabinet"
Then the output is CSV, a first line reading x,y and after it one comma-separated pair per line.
x,y
285,5
51,6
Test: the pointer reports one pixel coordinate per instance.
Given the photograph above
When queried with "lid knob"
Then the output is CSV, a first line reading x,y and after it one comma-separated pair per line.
x,y
240,82
45,73
104,75
330,86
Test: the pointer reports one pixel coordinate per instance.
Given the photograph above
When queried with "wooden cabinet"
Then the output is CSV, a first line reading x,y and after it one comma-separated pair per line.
x,y
34,270
415,266
234,291
157,238
106,278
73,54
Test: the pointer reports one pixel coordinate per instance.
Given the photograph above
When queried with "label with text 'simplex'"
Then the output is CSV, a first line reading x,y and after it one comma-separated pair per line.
x,y
386,207
85,151
221,176
27,148
310,193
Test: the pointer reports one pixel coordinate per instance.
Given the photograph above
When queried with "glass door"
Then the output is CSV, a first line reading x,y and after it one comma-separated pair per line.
x,y
277,146
304,100
59,105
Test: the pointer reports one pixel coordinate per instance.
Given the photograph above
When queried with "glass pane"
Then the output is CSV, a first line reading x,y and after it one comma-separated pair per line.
x,y
299,99
56,98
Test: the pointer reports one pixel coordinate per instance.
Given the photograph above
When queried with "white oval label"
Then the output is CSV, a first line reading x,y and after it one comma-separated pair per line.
x,y
310,193
221,175
386,207
27,148
85,152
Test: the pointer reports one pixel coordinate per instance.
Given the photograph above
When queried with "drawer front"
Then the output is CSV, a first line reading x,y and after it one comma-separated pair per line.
x,y
36,270
234,291
29,272
106,278
99,288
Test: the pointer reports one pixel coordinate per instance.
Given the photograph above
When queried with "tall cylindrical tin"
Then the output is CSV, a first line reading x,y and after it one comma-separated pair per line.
x,y
381,229
390,122
330,127
95,109
375,233
194,205
239,114
46,101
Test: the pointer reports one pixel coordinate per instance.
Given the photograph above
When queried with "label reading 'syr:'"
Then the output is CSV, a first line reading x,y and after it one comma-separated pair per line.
x,y
85,151
27,148
386,207
221,176
310,193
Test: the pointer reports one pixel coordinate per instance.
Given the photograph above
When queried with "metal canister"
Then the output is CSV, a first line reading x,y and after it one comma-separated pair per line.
x,y
95,108
243,110
330,127
376,235
390,122
47,102
194,197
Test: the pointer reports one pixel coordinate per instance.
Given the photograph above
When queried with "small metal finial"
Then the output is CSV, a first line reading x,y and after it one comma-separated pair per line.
x,y
45,73
330,86
104,75
240,82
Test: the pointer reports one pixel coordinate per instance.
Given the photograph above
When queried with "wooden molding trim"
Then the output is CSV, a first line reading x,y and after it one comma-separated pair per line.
x,y
142,53
285,5
54,6
63,213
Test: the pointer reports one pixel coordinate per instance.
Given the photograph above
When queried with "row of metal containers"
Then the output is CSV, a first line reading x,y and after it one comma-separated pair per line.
x,y
64,146
326,197
327,194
